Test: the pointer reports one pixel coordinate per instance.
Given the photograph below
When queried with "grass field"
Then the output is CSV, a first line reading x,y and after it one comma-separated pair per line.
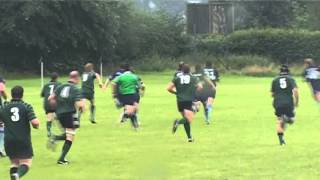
x,y
240,144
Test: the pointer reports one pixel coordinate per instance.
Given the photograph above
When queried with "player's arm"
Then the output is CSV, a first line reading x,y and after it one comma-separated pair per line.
x,y
171,88
35,123
216,72
99,80
32,117
52,99
3,91
207,80
114,89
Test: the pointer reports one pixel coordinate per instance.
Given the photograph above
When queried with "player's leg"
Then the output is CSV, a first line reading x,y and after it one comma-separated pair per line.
x,y
92,111
24,166
2,152
70,133
188,114
14,169
280,130
208,109
50,118
130,111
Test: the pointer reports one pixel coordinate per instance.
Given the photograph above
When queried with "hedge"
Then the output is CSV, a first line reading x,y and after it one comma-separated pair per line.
x,y
282,45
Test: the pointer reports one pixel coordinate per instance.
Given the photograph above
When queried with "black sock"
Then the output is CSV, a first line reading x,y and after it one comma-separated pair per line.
x,y
280,135
92,111
61,137
182,121
22,170
49,125
133,119
65,149
13,173
187,128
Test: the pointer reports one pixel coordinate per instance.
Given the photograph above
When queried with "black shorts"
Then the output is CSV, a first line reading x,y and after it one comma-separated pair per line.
x,y
129,99
185,105
49,110
67,120
315,84
89,96
288,111
18,149
203,96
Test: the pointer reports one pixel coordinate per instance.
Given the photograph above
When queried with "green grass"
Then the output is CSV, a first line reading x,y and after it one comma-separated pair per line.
x,y
240,144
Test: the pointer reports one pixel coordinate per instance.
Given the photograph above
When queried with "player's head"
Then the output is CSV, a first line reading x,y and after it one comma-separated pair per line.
x,y
88,67
74,77
126,67
198,68
208,64
308,62
186,69
180,65
54,76
284,69
2,80
17,92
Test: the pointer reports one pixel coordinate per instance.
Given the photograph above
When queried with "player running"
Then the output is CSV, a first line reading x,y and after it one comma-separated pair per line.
x,y
67,98
87,89
125,88
3,98
206,95
17,116
184,87
47,90
212,73
286,96
312,76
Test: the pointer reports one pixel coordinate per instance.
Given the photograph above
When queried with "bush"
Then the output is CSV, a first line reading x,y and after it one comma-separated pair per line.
x,y
282,45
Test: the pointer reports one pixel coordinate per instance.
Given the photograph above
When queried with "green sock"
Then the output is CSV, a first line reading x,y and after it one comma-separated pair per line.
x,y
22,170
65,149
187,128
49,125
93,113
182,121
60,137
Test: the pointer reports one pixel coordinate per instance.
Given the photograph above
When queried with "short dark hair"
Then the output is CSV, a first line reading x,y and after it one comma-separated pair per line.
x,y
209,64
2,80
17,92
180,65
125,67
186,69
284,69
54,76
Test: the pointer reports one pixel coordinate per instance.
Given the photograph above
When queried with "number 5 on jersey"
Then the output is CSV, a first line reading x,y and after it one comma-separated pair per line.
x,y
283,83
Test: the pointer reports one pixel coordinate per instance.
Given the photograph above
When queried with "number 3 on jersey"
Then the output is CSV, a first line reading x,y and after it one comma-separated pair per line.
x,y
185,79
15,114
283,83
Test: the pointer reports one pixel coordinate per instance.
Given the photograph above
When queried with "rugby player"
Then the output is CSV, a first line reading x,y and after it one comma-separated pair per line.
x,y
184,87
285,98
207,94
87,90
312,76
212,73
67,98
125,88
47,90
179,70
17,116
3,98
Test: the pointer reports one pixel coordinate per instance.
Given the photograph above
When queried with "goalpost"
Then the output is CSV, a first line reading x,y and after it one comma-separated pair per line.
x,y
42,71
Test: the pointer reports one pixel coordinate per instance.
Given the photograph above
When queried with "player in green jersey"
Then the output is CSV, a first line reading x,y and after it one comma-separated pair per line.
x,y
87,88
285,97
17,116
184,87
3,98
67,98
47,90
207,94
126,89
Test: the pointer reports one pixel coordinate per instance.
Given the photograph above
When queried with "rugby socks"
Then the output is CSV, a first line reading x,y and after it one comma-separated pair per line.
x,y
1,139
60,137
281,139
182,121
65,149
187,128
14,173
208,112
93,113
134,120
22,170
49,125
